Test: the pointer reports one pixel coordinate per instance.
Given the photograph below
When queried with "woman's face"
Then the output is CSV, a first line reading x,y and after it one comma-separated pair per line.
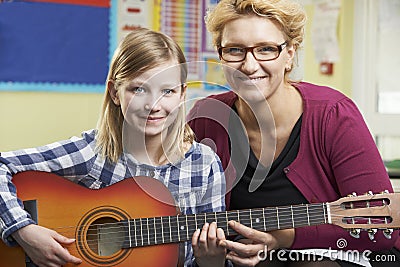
x,y
252,79
150,102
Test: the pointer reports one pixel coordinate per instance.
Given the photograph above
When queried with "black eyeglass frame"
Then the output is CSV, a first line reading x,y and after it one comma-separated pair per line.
x,y
251,49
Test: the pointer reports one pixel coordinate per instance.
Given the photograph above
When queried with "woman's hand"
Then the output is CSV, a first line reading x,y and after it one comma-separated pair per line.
x,y
206,248
45,247
251,250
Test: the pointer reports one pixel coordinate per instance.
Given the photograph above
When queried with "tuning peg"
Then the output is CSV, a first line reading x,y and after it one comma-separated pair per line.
x,y
355,233
385,192
388,233
370,193
354,194
371,233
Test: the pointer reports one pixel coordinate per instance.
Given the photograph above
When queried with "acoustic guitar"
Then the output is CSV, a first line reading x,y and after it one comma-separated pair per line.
x,y
135,223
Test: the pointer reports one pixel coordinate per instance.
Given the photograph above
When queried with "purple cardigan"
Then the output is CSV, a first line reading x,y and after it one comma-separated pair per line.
x,y
337,156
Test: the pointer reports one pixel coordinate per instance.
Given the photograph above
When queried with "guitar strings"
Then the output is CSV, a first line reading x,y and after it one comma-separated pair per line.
x,y
91,238
144,239
283,221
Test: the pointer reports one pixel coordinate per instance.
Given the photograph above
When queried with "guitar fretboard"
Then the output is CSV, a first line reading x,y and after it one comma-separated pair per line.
x,y
180,228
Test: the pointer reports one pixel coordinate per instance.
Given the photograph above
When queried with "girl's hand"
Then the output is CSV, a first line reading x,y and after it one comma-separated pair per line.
x,y
45,247
206,248
253,249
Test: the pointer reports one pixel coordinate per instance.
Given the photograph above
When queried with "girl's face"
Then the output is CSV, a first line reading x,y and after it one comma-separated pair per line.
x,y
253,79
150,102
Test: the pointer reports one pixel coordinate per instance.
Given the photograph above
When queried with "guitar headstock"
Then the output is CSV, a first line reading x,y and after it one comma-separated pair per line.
x,y
368,212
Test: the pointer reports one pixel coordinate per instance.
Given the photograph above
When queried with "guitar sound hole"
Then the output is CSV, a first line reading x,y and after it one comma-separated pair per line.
x,y
105,236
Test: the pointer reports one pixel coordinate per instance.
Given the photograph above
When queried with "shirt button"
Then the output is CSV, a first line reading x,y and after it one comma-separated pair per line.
x,y
152,173
286,170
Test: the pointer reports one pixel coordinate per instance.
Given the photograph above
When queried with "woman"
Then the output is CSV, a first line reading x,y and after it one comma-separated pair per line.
x,y
282,142
141,132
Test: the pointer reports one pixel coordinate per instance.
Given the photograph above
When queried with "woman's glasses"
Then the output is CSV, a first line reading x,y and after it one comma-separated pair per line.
x,y
263,52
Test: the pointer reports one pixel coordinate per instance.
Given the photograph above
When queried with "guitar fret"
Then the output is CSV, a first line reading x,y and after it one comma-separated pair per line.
x,y
263,212
245,217
162,230
192,225
187,229
227,220
175,235
158,230
222,220
170,227
300,213
129,234
136,232
155,231
195,221
259,221
291,209
323,207
177,221
277,217
141,230
183,227
148,231
251,220
200,221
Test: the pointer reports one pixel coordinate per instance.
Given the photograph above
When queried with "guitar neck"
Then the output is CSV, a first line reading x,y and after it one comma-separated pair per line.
x,y
180,228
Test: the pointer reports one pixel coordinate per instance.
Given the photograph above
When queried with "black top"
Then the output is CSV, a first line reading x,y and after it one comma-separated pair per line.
x,y
274,189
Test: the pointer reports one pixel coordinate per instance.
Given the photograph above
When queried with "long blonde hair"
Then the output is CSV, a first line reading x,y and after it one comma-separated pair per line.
x,y
289,16
140,51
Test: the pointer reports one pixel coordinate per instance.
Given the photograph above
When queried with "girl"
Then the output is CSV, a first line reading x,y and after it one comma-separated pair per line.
x,y
141,132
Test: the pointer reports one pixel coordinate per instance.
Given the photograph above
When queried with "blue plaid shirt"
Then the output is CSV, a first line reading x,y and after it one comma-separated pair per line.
x,y
197,182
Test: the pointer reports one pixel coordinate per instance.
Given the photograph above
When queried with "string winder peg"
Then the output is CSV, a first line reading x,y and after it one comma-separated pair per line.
x,y
371,233
354,194
355,232
388,233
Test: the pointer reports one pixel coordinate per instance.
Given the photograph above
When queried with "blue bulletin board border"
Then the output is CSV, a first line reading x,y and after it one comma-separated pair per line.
x,y
96,82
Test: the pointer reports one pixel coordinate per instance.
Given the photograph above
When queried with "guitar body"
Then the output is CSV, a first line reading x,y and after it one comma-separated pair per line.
x,y
75,211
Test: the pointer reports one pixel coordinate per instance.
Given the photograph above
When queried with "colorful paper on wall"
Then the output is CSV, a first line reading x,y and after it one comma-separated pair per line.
x,y
180,19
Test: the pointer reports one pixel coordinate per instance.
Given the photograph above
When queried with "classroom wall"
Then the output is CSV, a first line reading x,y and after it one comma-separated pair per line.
x,y
342,70
30,119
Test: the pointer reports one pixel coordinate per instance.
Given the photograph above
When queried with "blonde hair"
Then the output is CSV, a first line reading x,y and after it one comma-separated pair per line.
x,y
289,16
140,51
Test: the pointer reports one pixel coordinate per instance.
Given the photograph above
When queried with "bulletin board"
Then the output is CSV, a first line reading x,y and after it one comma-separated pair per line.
x,y
66,45
55,45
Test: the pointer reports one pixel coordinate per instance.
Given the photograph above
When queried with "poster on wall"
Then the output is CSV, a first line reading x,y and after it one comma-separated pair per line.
x,y
180,19
206,37
324,30
133,14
